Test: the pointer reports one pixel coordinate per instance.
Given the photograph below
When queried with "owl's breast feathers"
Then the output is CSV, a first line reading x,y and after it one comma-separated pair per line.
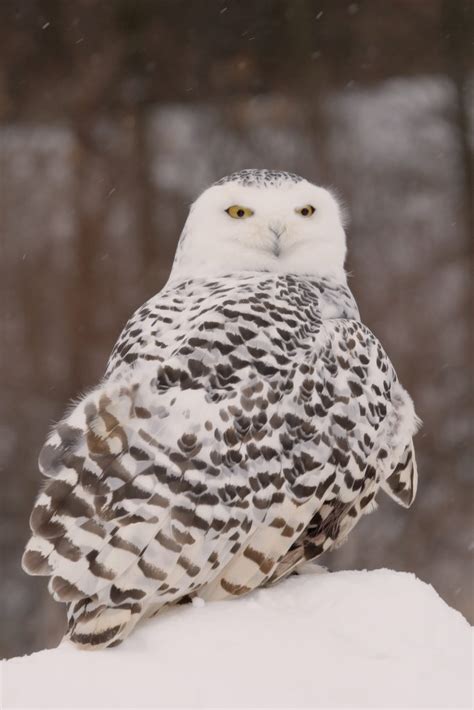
x,y
243,426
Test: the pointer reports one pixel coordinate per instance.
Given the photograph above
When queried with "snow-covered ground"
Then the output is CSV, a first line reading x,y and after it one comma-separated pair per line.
x,y
344,639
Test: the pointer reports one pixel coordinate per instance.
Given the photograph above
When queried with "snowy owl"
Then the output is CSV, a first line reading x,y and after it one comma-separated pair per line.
x,y
245,422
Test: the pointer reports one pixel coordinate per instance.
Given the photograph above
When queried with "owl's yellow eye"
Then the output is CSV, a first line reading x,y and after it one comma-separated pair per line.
x,y
239,212
306,211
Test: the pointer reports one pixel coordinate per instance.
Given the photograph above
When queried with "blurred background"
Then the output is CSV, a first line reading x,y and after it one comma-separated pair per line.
x,y
115,115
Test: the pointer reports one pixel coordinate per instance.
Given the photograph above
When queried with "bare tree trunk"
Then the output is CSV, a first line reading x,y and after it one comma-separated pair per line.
x,y
458,19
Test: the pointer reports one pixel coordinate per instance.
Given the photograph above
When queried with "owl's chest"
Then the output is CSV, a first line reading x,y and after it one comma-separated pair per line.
x,y
251,326
238,341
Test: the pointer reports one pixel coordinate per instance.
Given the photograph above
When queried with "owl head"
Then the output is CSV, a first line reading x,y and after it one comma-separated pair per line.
x,y
261,220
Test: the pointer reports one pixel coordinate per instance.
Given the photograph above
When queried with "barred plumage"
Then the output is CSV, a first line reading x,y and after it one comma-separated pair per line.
x,y
246,420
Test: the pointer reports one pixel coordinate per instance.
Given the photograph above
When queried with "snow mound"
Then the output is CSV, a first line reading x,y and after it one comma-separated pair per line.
x,y
357,639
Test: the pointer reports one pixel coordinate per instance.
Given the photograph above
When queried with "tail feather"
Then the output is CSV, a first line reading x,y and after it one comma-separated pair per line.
x,y
93,626
402,482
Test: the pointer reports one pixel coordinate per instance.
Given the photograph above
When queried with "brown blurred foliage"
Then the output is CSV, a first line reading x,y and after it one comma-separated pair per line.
x,y
114,115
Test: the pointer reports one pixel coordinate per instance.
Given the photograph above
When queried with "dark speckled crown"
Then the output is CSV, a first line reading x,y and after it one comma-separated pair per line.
x,y
259,178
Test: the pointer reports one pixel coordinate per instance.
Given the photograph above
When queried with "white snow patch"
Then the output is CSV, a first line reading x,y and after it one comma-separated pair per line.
x,y
343,639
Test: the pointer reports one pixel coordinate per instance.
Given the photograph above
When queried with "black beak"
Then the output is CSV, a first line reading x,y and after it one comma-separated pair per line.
x,y
276,240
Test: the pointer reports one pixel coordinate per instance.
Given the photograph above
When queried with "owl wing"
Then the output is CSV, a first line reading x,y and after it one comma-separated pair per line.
x,y
122,517
378,399
358,439
122,520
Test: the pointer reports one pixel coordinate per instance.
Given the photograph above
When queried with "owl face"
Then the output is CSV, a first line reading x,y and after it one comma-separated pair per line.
x,y
262,221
